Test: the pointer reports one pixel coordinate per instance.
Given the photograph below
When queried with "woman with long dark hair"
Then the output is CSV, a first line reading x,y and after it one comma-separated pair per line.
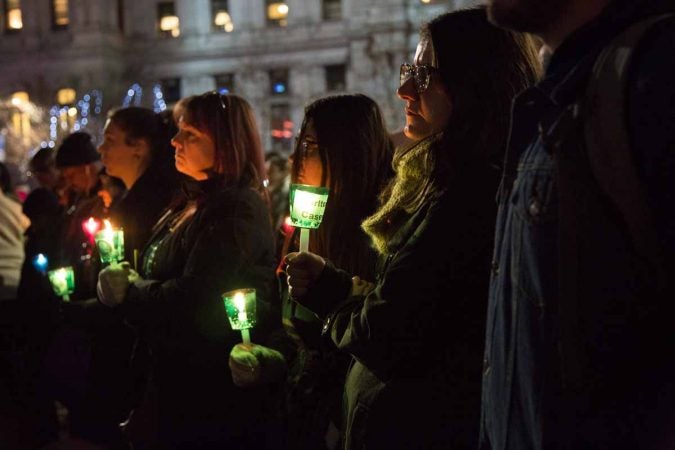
x,y
415,331
343,145
215,238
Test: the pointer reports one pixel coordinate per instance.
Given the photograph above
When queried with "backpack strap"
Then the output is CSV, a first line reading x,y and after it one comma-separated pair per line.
x,y
607,140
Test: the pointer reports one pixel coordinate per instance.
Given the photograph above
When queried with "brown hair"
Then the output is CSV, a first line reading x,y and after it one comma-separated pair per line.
x,y
230,121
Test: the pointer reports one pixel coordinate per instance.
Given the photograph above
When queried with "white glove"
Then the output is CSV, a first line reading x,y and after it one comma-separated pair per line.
x,y
255,365
113,282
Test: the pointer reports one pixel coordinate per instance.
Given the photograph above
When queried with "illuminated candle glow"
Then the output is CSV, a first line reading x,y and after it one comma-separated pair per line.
x,y
40,262
110,243
240,308
90,227
307,205
63,282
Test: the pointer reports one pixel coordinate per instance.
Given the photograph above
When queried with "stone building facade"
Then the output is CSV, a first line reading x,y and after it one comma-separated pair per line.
x,y
278,54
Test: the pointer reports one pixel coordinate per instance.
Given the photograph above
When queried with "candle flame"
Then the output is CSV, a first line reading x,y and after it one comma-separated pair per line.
x,y
91,226
108,231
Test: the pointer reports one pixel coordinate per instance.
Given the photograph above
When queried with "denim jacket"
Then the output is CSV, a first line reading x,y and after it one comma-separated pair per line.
x,y
532,397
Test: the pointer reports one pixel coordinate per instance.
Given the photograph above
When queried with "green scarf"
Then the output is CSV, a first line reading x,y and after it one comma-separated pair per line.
x,y
410,186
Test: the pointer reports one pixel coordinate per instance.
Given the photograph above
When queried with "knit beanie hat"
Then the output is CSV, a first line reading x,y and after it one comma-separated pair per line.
x,y
76,150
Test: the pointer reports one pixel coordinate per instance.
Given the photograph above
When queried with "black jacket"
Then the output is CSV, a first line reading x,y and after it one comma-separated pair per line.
x,y
416,339
225,244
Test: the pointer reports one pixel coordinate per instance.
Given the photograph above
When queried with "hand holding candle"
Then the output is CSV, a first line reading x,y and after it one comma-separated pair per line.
x,y
302,270
240,307
63,282
307,205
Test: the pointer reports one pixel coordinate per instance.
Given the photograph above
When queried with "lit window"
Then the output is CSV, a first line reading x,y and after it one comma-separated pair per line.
x,y
221,16
60,17
332,9
281,128
65,96
13,19
171,90
224,83
20,118
19,98
168,21
277,13
336,77
279,81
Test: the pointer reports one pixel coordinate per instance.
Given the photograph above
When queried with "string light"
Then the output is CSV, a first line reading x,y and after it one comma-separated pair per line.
x,y
135,93
159,104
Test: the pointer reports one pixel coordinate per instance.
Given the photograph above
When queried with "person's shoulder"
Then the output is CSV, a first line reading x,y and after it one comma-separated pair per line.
x,y
653,54
235,202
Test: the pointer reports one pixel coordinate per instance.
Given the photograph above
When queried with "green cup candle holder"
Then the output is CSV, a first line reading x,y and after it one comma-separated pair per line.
x,y
62,281
307,205
241,310
110,244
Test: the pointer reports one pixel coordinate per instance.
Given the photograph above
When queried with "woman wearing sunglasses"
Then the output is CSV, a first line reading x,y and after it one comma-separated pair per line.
x,y
215,238
415,332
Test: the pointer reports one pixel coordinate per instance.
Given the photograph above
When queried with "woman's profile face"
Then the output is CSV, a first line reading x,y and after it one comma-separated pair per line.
x,y
195,151
118,157
308,158
426,112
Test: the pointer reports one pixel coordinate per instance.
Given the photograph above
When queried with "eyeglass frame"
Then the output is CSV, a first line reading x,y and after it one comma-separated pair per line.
x,y
302,146
408,71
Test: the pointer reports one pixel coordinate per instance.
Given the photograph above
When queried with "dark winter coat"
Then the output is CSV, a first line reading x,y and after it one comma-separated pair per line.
x,y
416,339
225,243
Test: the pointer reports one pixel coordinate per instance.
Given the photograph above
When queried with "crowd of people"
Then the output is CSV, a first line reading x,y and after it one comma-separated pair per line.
x,y
499,279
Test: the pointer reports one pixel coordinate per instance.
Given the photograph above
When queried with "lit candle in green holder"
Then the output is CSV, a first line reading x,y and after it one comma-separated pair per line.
x,y
307,206
240,308
62,281
110,243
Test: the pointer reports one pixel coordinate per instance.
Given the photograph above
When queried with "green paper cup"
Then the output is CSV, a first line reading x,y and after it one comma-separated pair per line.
x,y
240,308
110,245
307,204
62,281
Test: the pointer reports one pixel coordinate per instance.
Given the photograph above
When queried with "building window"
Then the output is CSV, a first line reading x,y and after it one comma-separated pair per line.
x,y
281,128
65,96
279,81
221,16
13,19
336,77
332,9
277,13
60,16
225,83
168,23
20,118
170,90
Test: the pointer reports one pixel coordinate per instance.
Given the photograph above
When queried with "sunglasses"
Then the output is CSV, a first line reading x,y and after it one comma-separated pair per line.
x,y
421,74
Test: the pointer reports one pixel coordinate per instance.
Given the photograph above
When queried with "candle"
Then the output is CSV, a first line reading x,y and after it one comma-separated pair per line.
x,y
110,243
240,308
90,227
307,206
62,281
40,262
